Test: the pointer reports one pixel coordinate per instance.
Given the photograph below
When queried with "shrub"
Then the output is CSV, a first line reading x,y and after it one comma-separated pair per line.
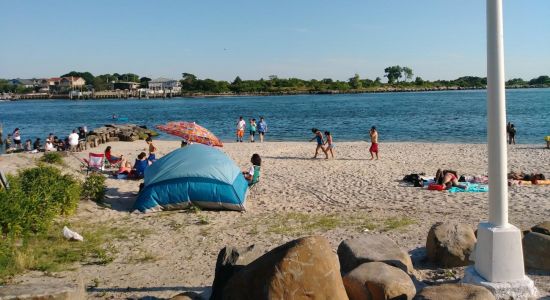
x,y
94,187
52,158
36,196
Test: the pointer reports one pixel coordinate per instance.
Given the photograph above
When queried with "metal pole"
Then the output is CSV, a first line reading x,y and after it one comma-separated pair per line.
x,y
496,111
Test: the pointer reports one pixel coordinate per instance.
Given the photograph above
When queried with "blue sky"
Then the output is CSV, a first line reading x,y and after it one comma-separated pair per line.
x,y
438,39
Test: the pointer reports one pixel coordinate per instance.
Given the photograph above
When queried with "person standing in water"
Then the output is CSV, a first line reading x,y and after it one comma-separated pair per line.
x,y
262,129
252,130
512,135
374,140
241,126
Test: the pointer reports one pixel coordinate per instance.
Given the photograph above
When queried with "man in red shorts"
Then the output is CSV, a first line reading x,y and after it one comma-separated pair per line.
x,y
374,139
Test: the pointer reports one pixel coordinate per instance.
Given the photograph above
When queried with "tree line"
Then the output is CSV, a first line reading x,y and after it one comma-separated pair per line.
x,y
397,78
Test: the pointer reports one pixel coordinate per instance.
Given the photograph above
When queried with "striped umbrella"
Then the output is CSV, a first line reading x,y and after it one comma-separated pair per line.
x,y
191,132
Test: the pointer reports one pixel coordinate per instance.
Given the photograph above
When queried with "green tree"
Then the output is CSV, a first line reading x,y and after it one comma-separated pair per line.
x,y
408,73
393,73
188,81
516,82
419,81
355,82
541,80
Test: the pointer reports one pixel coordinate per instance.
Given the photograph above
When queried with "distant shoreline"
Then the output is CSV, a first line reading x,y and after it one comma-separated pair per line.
x,y
121,96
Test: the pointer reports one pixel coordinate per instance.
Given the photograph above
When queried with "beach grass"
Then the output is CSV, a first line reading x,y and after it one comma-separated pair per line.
x,y
51,252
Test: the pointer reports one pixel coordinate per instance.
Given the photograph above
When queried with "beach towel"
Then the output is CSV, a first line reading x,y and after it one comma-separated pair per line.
x,y
470,188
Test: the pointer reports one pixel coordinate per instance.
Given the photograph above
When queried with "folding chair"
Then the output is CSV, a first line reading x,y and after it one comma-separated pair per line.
x,y
95,162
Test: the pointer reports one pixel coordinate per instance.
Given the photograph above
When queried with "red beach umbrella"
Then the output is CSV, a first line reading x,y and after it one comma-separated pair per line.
x,y
191,132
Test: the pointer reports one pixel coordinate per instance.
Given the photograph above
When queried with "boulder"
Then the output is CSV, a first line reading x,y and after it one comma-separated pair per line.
x,y
543,228
456,291
372,248
230,260
51,291
449,245
187,296
378,281
536,251
305,268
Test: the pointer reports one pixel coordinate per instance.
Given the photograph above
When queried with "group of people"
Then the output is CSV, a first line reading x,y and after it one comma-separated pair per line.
x,y
253,128
125,168
325,143
14,142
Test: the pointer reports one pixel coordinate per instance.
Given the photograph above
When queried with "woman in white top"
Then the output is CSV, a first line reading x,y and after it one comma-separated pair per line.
x,y
49,145
73,140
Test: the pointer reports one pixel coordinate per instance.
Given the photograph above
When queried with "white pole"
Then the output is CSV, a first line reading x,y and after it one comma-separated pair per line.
x,y
496,112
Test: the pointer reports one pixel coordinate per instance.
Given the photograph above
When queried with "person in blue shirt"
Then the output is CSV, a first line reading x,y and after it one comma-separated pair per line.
x,y
140,165
262,129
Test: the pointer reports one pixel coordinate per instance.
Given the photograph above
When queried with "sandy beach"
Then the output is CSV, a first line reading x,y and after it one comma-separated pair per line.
x,y
169,252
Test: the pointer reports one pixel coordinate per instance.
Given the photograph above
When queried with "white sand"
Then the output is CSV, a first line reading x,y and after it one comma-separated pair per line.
x,y
350,188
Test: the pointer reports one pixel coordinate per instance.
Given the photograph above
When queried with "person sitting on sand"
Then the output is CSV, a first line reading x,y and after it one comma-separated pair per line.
x,y
28,145
49,145
448,178
152,150
124,170
140,165
36,145
320,141
329,144
112,159
253,174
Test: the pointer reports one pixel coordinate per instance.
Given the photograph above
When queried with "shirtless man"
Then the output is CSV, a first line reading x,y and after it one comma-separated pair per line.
x,y
374,139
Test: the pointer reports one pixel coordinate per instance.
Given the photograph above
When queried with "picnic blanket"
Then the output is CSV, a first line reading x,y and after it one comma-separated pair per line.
x,y
470,188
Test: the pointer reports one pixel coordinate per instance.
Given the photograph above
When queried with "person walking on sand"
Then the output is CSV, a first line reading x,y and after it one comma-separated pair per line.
x,y
262,129
329,143
512,135
320,141
241,126
374,140
252,130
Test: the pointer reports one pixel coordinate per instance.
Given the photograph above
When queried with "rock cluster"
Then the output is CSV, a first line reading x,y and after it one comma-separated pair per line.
x,y
115,133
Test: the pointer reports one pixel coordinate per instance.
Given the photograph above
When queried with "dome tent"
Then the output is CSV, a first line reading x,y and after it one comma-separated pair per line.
x,y
197,174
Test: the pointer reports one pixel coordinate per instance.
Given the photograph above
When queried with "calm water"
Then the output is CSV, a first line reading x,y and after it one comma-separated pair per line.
x,y
456,116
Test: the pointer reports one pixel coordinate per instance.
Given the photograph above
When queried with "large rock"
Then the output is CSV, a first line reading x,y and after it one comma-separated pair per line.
x,y
450,244
372,248
230,260
377,280
543,228
50,291
305,268
187,296
455,292
536,251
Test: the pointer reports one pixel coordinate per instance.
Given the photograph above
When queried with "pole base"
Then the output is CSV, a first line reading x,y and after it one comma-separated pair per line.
x,y
498,253
522,289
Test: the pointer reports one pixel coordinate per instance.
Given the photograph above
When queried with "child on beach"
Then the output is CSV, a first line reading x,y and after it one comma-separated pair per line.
x,y
320,141
262,129
329,143
253,174
241,126
140,165
252,129
374,140
152,150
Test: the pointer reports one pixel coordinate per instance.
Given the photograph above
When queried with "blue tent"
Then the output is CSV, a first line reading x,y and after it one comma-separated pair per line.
x,y
196,174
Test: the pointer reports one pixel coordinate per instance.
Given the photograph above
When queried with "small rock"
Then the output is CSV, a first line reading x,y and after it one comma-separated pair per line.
x,y
449,245
305,268
377,280
456,291
230,260
372,248
54,291
543,228
536,251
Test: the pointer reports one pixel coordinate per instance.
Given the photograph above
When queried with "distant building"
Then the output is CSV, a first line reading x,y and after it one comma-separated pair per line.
x,y
165,84
126,85
26,83
72,82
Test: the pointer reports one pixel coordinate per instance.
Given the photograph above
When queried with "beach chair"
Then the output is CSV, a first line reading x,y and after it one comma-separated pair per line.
x,y
95,162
